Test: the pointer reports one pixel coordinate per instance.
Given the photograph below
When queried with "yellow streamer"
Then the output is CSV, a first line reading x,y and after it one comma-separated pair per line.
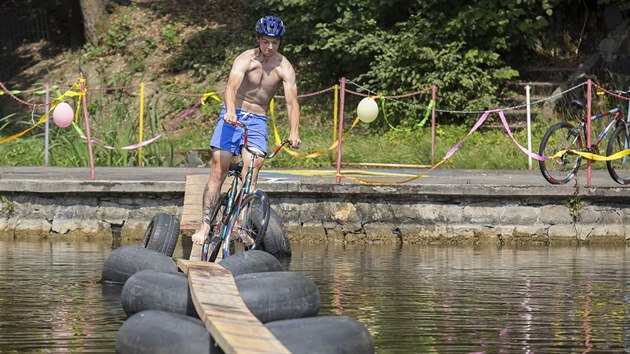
x,y
592,156
295,153
331,173
209,94
69,93
344,175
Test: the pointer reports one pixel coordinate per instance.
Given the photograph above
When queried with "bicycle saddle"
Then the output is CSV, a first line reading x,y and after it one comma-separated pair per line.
x,y
236,167
255,151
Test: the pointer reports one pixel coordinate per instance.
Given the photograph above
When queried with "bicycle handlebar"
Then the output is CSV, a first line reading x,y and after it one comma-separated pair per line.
x,y
245,138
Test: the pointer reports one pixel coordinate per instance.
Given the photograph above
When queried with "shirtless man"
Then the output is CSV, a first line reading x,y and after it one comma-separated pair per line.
x,y
255,75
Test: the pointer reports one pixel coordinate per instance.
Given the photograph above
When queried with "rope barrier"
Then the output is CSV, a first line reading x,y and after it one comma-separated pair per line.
x,y
199,102
297,154
42,119
396,98
611,93
310,94
75,91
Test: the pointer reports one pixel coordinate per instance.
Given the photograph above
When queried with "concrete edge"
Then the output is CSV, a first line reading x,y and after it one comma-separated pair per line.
x,y
318,189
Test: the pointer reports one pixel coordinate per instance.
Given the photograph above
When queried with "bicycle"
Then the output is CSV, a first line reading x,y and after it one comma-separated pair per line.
x,y
567,139
242,215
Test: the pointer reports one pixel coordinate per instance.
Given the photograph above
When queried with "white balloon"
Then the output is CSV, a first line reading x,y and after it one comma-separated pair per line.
x,y
367,110
63,115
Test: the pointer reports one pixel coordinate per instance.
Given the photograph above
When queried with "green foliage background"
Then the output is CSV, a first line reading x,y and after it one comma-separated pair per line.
x,y
468,49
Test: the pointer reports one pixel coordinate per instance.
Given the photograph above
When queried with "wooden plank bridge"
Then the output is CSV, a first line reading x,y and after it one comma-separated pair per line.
x,y
214,293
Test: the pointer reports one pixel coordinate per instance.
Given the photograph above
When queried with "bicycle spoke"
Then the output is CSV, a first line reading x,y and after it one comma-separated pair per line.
x,y
560,137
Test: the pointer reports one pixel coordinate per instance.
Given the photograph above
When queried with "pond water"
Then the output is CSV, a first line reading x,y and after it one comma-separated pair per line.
x,y
412,298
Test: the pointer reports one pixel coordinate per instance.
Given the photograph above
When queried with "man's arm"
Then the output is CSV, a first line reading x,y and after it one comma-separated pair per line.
x,y
237,73
293,107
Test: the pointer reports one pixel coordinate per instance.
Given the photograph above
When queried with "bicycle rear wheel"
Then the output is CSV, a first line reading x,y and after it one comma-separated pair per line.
x,y
245,229
619,169
562,136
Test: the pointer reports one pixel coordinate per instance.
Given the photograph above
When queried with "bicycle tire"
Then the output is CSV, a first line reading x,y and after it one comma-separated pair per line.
x,y
242,226
561,136
619,169
276,240
215,228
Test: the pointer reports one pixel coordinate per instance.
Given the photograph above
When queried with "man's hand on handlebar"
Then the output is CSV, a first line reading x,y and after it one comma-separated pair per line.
x,y
230,118
294,142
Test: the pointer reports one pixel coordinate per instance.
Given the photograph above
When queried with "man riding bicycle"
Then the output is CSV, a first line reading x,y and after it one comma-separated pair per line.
x,y
252,83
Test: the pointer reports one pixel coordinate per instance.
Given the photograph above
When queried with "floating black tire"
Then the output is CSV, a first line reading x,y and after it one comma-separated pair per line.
x,y
151,290
269,296
124,262
275,240
254,261
162,234
273,296
323,334
163,332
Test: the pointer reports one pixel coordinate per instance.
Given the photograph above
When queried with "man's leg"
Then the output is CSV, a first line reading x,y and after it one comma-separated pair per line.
x,y
247,157
212,192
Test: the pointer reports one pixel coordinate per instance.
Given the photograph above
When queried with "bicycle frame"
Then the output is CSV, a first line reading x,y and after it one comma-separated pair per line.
x,y
613,122
237,198
564,136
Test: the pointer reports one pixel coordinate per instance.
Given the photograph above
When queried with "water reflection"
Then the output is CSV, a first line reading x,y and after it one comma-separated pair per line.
x,y
411,298
477,299
51,298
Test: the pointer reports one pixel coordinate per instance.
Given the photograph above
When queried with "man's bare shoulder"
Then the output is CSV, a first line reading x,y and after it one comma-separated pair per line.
x,y
285,67
246,55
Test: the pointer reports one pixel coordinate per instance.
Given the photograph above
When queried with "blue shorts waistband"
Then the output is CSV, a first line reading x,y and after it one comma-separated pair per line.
x,y
242,113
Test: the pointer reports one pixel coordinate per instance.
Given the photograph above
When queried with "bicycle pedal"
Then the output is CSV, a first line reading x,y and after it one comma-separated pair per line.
x,y
245,239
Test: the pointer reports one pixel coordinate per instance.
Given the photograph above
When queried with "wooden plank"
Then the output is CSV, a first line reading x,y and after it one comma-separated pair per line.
x,y
223,312
193,200
195,252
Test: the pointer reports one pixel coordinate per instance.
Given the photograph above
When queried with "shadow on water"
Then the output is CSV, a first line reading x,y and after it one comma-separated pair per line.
x,y
412,298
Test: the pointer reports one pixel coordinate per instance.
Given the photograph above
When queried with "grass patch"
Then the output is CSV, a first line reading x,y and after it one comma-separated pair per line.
x,y
484,149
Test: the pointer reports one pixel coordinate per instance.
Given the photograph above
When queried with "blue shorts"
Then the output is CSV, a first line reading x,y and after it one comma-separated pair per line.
x,y
230,138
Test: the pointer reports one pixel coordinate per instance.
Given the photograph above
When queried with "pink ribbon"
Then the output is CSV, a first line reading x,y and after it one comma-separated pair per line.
x,y
482,119
147,142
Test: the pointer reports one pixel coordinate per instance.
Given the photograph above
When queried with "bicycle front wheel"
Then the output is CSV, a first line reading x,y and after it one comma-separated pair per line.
x,y
562,136
619,168
245,229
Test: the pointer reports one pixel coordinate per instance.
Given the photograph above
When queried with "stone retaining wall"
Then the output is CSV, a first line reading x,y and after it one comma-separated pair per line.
x,y
454,221
360,216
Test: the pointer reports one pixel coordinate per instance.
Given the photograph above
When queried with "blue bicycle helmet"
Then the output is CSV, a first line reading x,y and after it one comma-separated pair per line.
x,y
270,26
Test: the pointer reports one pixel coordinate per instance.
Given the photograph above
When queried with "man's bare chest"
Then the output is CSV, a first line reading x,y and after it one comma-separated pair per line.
x,y
262,74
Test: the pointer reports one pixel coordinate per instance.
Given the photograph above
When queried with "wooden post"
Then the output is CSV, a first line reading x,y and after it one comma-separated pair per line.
x,y
47,130
342,96
433,97
335,112
87,127
529,125
141,128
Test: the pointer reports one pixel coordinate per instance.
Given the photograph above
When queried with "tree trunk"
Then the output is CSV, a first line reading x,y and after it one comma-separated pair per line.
x,y
95,21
